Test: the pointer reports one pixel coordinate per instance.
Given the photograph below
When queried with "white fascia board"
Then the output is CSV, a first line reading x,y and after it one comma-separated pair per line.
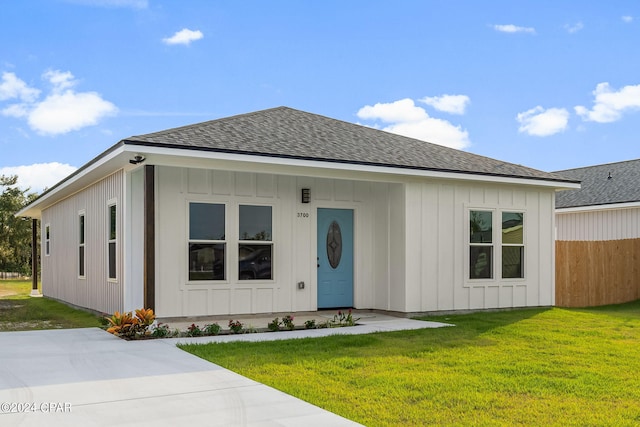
x,y
595,208
171,156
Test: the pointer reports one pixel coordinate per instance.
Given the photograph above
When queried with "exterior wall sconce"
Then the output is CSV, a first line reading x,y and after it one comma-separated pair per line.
x,y
306,195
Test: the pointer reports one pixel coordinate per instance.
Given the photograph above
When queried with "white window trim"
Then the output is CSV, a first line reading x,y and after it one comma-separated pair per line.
x,y
225,242
271,243
112,203
82,214
523,245
497,246
47,239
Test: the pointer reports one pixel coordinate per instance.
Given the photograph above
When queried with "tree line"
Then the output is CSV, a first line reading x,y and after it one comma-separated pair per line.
x,y
15,232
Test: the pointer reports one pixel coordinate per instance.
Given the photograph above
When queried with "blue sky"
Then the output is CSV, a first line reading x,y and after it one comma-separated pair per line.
x,y
548,84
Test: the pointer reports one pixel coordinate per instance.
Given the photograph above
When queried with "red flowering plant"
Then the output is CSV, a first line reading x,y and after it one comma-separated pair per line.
x,y
287,321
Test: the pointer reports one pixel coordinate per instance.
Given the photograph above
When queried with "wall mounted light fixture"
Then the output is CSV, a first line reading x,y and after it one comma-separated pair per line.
x,y
306,195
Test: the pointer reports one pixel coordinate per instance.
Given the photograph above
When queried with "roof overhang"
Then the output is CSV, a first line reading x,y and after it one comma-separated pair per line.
x,y
119,156
594,208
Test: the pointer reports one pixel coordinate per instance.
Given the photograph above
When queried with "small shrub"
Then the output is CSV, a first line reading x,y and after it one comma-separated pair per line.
x,y
274,325
122,324
288,322
161,331
126,325
250,330
212,329
194,331
310,324
236,326
343,319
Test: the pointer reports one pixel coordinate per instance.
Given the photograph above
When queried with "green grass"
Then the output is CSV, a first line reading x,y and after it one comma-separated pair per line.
x,y
521,367
20,312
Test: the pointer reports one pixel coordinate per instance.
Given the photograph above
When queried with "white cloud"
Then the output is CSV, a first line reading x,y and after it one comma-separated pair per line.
x,y
574,28
12,87
627,19
609,105
405,118
184,36
69,111
39,176
540,122
454,104
62,110
510,28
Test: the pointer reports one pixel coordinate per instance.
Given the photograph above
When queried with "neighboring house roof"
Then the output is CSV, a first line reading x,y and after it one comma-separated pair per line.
x,y
285,136
288,133
607,184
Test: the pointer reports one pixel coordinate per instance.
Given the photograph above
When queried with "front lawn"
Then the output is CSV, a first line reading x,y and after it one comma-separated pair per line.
x,y
21,312
521,367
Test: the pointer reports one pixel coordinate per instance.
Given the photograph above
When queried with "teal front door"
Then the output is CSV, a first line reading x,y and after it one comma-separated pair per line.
x,y
335,258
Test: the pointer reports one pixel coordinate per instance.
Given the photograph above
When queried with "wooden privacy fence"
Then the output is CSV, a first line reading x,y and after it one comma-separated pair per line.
x,y
592,273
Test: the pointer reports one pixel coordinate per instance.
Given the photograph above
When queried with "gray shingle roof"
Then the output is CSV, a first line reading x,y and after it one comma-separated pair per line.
x,y
288,133
598,189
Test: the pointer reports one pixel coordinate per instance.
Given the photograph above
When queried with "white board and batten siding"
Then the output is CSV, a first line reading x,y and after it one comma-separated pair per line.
x,y
410,242
437,247
606,223
60,272
294,240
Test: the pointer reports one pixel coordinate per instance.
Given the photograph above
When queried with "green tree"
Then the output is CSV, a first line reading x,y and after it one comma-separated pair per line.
x,y
15,233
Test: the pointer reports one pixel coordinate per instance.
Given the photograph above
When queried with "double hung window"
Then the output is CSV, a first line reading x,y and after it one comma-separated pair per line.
x,y
81,245
207,241
112,240
255,244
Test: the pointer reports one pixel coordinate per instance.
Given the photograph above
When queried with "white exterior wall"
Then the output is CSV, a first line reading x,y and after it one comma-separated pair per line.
x,y
604,224
60,268
437,247
410,243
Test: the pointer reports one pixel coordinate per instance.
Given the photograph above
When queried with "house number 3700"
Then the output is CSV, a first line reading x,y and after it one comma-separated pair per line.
x,y
303,214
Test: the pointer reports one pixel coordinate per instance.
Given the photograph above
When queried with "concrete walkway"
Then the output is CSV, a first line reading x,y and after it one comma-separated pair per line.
x,y
91,378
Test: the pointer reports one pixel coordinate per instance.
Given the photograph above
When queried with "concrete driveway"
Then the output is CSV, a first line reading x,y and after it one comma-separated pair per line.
x,y
91,378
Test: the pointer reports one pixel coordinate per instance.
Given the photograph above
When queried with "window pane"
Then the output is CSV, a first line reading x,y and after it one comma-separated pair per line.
x,y
254,262
512,257
512,227
206,261
206,221
81,261
81,229
112,260
255,223
480,262
480,226
112,222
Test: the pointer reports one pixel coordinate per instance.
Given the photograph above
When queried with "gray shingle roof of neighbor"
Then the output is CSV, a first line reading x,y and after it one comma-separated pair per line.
x,y
288,133
602,185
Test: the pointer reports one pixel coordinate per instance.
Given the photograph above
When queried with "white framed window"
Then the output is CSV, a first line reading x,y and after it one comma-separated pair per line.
x,y
112,240
255,242
207,241
481,249
512,245
486,253
47,239
82,256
